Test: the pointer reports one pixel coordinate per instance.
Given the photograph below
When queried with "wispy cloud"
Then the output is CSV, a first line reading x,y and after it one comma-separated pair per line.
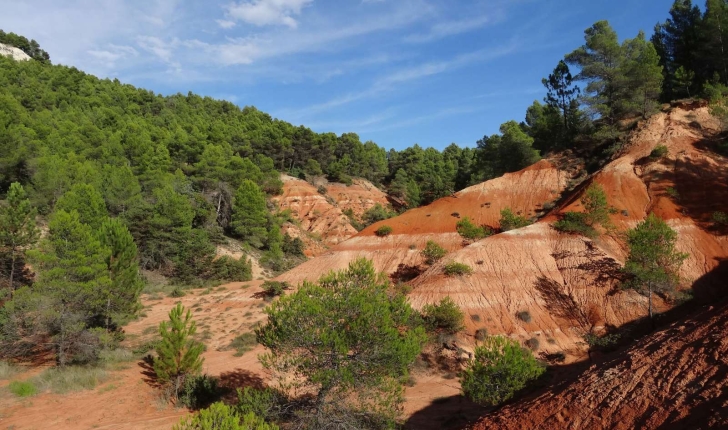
x,y
449,28
268,12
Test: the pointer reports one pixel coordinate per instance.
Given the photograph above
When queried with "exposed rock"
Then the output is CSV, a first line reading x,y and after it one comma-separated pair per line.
x,y
13,52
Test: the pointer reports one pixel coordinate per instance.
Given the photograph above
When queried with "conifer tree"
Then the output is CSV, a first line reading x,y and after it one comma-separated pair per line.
x,y
653,263
562,94
643,74
73,280
178,355
17,232
250,214
87,202
122,297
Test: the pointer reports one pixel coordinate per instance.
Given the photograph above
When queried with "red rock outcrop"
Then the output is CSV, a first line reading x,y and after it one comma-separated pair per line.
x,y
676,378
321,217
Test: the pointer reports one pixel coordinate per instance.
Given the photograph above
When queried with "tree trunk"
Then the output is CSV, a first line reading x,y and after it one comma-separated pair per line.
x,y
12,272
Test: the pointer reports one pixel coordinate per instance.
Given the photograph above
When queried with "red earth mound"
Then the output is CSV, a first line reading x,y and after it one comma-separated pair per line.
x,y
321,217
676,378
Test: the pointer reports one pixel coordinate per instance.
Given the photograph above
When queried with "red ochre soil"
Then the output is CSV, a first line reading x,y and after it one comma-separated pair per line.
x,y
676,378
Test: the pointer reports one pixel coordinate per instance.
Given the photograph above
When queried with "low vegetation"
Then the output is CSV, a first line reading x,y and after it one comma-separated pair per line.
x,y
659,152
457,269
383,231
596,213
501,367
468,230
220,416
243,343
510,221
444,316
23,388
275,288
524,316
433,252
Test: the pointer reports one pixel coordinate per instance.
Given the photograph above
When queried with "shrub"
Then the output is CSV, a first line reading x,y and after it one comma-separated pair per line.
x,y
659,151
475,317
606,342
511,221
322,190
243,343
358,225
275,288
198,391
468,230
377,213
445,316
575,223
23,388
433,252
265,403
457,269
383,231
720,218
229,269
177,293
220,416
672,192
533,344
524,316
481,334
500,368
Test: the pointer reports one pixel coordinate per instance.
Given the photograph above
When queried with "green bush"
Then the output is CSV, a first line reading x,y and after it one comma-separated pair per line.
x,y
445,316
533,344
220,416
322,190
275,288
672,192
575,223
606,342
383,231
501,367
265,403
457,269
481,334
198,391
720,218
377,213
23,388
229,269
468,230
177,293
511,221
659,151
524,316
433,252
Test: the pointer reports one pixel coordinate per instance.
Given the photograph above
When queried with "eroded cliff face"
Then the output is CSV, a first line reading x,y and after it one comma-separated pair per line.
x,y
13,52
675,378
568,284
320,216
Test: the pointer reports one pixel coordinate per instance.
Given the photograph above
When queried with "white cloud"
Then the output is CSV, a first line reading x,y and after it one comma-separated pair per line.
x,y
163,50
224,23
267,12
109,56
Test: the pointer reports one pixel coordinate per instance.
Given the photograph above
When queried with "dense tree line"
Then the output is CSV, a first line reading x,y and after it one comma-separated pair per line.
x,y
30,47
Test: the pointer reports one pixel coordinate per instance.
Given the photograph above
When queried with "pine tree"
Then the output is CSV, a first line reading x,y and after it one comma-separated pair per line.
x,y
87,202
250,214
73,279
714,40
599,60
17,231
562,94
642,73
122,297
178,355
653,263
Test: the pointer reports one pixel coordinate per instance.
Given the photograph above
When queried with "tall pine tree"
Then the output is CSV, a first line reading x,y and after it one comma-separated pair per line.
x,y
250,214
17,232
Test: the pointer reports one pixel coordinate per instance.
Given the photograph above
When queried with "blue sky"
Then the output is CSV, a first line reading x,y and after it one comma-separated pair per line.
x,y
397,72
